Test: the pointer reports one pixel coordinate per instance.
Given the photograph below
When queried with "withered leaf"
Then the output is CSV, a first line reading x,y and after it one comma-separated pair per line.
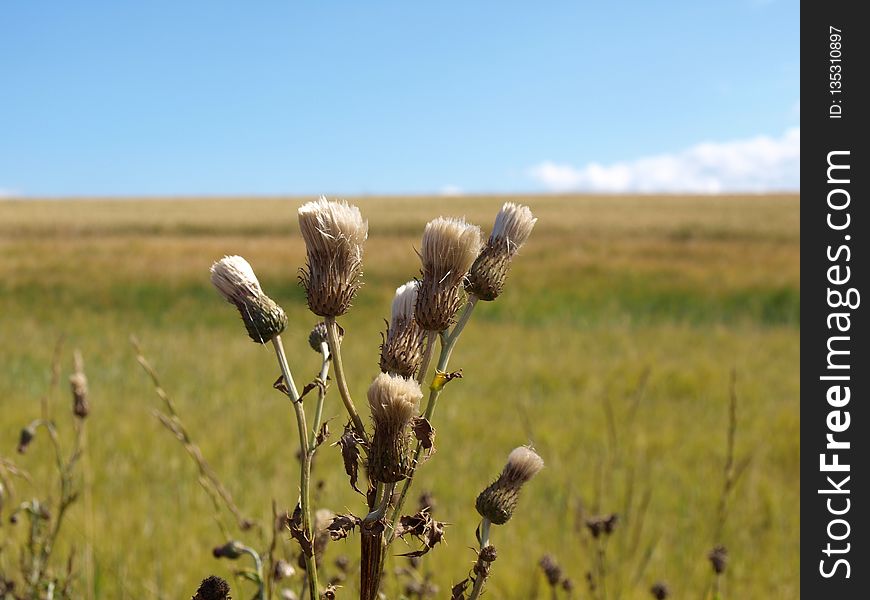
x,y
458,590
342,525
322,434
424,432
423,527
281,386
297,532
350,454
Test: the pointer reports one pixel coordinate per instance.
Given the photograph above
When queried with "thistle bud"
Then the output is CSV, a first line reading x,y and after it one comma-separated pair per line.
x,y
660,590
394,401
78,382
334,234
402,349
448,250
718,559
25,437
235,280
513,224
317,337
498,501
231,550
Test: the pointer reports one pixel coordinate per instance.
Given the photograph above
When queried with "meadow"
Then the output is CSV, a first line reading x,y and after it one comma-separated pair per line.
x,y
611,349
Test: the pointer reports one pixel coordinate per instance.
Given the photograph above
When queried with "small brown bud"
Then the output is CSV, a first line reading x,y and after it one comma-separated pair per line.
x,y
231,550
660,590
718,559
318,337
551,569
25,437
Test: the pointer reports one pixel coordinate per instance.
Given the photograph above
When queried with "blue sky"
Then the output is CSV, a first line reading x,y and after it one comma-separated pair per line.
x,y
190,97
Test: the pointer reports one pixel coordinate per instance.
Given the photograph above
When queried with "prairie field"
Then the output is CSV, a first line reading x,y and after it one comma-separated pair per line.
x,y
611,350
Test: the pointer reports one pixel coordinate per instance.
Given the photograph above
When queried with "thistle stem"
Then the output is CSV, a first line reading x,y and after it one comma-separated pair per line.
x,y
481,577
258,565
335,350
305,478
448,342
321,395
427,356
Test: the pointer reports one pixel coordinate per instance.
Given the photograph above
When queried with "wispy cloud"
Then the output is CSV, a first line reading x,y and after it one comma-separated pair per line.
x,y
755,164
8,193
451,190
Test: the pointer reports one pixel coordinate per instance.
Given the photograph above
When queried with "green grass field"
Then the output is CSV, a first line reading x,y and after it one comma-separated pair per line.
x,y
608,289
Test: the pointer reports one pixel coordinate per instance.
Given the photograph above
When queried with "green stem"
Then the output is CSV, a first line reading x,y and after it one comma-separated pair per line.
x,y
258,564
447,344
321,395
335,349
481,578
305,478
427,356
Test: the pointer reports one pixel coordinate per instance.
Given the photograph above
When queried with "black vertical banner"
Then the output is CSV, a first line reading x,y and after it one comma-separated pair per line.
x,y
835,420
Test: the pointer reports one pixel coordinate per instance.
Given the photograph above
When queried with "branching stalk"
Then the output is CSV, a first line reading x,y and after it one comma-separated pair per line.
x,y
305,479
448,342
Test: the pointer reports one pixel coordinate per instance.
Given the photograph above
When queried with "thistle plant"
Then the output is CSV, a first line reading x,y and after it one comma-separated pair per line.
x,y
423,311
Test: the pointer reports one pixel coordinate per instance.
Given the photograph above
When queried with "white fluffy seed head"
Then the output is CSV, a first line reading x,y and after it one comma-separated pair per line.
x,y
513,225
334,233
449,247
523,463
235,279
326,224
403,304
393,399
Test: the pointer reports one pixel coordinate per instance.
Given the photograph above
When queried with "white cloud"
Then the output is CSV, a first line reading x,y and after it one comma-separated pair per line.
x,y
755,164
451,190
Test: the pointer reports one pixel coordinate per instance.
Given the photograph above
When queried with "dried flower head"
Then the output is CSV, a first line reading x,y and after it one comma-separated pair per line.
x,y
512,228
448,250
78,382
498,501
552,570
393,401
402,348
235,280
602,524
334,234
718,559
213,588
282,570
660,590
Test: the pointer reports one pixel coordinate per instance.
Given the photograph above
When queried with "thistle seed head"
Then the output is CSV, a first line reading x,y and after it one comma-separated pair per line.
x,y
402,348
78,382
334,234
718,559
213,588
498,501
449,248
512,228
235,280
393,401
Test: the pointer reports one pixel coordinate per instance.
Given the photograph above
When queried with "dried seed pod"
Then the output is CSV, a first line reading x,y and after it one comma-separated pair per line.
x,y
402,349
235,280
213,588
393,401
718,559
334,234
317,337
512,228
498,501
660,590
448,250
